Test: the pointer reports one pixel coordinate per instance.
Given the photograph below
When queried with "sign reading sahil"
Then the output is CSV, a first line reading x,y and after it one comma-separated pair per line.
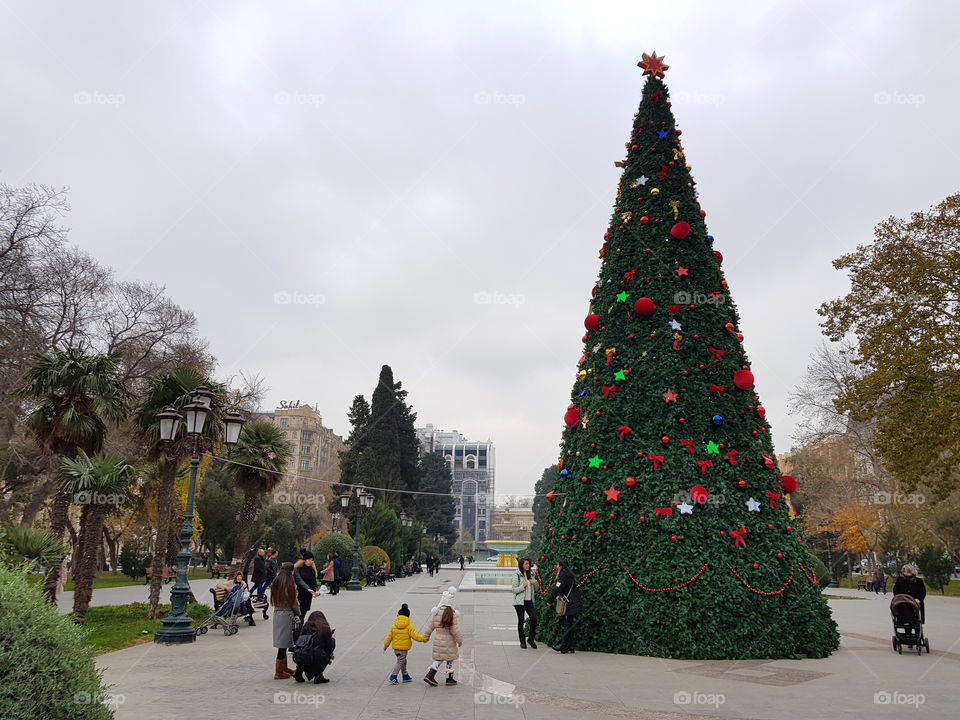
x,y
289,404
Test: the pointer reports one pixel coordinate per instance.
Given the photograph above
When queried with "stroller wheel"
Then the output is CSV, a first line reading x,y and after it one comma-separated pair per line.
x,y
894,642
899,647
234,630
926,644
226,632
203,630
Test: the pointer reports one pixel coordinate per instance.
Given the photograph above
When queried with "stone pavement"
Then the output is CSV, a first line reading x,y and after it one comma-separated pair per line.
x,y
136,593
220,677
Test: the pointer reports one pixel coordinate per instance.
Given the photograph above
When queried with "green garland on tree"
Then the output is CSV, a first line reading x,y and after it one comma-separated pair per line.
x,y
668,503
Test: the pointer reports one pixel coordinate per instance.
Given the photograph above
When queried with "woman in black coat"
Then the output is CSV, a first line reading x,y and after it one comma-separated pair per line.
x,y
567,586
305,575
909,584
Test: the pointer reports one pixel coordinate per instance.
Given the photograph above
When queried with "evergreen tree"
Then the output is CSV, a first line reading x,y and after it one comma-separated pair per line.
x,y
435,508
540,506
381,526
668,504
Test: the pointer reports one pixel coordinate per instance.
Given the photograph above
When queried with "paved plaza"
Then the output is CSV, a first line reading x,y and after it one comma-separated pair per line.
x,y
221,677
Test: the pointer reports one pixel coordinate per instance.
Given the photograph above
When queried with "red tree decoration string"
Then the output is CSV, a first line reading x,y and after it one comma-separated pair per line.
x,y
813,580
692,578
766,593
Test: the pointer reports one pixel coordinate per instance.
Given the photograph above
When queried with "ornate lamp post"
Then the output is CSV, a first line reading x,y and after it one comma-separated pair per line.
x,y
364,502
335,518
177,627
439,538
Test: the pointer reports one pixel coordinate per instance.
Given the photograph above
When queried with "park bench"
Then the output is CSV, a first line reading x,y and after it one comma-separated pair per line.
x,y
168,575
861,585
219,571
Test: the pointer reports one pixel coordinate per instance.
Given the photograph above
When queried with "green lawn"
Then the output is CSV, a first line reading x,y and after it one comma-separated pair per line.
x,y
109,579
114,627
842,597
951,590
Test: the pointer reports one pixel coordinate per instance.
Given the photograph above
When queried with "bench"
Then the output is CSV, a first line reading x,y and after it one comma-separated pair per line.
x,y
219,571
168,575
861,585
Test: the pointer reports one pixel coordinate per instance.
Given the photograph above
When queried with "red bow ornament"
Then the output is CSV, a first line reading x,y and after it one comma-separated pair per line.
x,y
589,516
772,498
737,536
657,460
703,465
663,512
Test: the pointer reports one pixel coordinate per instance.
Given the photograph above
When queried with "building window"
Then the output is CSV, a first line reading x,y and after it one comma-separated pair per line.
x,y
471,462
306,436
304,464
284,422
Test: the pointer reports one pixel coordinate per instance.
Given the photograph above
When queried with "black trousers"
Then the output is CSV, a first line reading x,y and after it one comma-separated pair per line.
x,y
305,599
335,586
530,611
569,633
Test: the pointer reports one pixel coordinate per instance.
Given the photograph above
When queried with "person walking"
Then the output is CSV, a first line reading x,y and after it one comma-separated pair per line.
x,y
259,578
446,643
286,615
337,565
909,584
462,560
430,565
879,581
401,635
314,648
305,575
567,591
327,573
523,585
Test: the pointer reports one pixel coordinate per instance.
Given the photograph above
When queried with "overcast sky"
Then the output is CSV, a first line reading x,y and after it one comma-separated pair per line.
x,y
334,186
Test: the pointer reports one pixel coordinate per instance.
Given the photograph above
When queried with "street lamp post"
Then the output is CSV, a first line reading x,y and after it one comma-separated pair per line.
x,y
177,626
364,502
439,538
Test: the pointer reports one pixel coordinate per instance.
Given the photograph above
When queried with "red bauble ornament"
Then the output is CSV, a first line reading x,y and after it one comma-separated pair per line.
x,y
743,379
681,420
760,410
630,481
718,255
572,416
788,483
644,220
673,538
644,307
591,322
779,556
788,528
643,518
680,230
756,565
665,439
770,526
742,483
596,533
728,327
699,494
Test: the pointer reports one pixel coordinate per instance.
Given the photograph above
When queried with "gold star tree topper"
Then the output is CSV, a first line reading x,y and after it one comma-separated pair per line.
x,y
653,65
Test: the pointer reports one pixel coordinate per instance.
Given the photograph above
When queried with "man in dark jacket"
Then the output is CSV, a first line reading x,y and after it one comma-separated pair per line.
x,y
259,573
567,587
272,566
337,564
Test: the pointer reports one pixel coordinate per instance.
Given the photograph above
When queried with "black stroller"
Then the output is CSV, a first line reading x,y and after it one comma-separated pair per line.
x,y
907,624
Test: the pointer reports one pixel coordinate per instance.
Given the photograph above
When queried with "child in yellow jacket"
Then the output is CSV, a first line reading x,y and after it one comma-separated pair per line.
x,y
401,635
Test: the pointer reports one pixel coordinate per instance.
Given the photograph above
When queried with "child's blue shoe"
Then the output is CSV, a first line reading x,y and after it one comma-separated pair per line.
x,y
407,678
393,680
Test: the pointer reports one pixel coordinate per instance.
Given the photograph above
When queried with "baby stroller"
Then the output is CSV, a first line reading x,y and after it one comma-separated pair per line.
x,y
907,626
226,614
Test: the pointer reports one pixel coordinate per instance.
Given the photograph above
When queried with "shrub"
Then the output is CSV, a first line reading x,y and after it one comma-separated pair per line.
x,y
373,555
31,544
935,565
46,666
132,562
335,542
820,568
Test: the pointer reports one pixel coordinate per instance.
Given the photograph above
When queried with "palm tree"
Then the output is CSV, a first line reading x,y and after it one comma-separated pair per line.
x,y
170,389
31,545
260,458
74,395
100,485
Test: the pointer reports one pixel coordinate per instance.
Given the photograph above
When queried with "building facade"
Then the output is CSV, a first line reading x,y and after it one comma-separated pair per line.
x,y
473,466
513,523
316,449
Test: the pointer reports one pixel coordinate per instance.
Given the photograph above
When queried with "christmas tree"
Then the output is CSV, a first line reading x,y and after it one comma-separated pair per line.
x,y
668,503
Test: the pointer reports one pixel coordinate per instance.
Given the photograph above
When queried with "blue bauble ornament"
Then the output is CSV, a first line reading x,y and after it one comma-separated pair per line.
x,y
717,420
564,473
582,393
710,239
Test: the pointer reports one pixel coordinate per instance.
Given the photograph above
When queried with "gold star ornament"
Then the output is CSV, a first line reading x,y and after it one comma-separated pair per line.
x,y
653,65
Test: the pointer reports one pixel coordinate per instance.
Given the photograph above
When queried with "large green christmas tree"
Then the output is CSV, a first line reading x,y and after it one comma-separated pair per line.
x,y
668,503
